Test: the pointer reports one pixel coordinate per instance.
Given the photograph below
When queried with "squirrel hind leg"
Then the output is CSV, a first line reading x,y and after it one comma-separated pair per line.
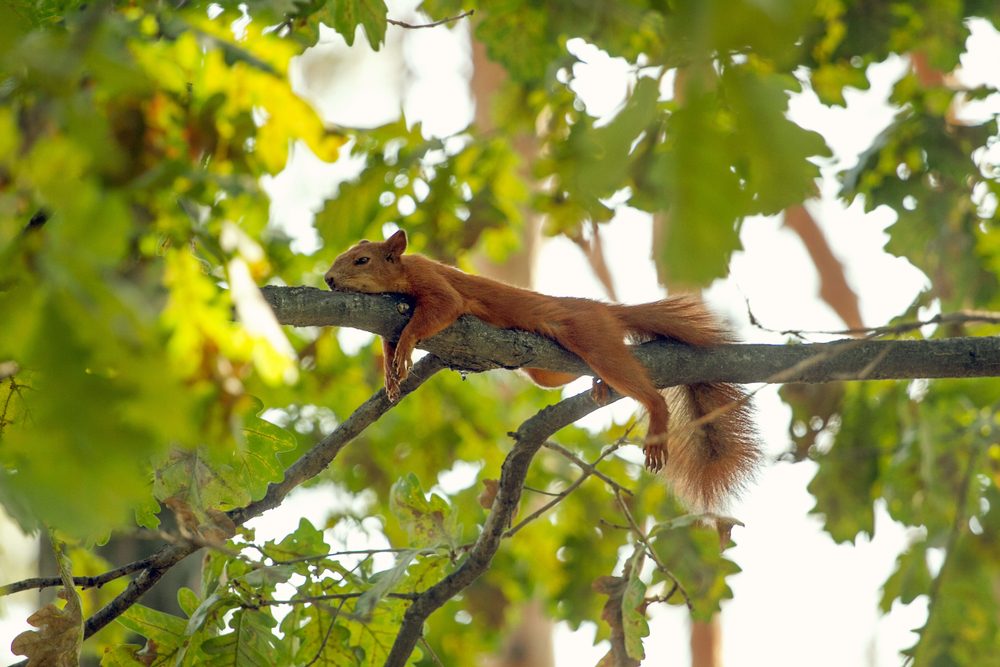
x,y
546,378
600,342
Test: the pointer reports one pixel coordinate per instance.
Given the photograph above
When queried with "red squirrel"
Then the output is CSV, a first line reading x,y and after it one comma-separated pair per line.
x,y
707,462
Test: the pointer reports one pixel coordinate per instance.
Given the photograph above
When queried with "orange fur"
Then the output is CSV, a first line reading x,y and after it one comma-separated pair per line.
x,y
707,462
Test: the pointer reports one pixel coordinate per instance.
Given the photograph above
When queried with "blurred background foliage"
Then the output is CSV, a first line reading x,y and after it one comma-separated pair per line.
x,y
133,141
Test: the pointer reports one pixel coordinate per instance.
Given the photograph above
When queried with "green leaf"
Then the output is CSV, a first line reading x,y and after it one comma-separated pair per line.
x,y
633,601
319,634
592,163
212,608
911,578
187,600
251,642
776,174
124,655
844,483
167,630
256,457
345,16
425,519
682,521
385,582
696,560
703,196
517,36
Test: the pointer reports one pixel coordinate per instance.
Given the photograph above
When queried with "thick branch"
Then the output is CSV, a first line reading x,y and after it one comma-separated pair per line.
x,y
472,345
319,457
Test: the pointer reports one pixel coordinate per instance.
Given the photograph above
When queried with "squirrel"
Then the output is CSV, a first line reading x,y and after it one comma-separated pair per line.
x,y
708,461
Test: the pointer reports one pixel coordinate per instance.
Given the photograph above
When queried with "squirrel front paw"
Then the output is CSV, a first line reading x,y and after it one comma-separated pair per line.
x,y
392,386
401,366
395,373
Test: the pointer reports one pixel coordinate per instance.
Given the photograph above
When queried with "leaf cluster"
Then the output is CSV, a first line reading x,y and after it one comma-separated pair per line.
x,y
133,226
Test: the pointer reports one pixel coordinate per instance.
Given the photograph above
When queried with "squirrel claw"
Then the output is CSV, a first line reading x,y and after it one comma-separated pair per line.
x,y
392,392
400,367
392,386
656,456
600,392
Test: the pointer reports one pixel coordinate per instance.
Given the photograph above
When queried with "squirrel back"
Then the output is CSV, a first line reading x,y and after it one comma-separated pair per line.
x,y
710,441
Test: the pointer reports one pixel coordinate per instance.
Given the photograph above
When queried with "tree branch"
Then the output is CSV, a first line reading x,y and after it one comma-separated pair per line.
x,y
472,345
152,568
433,24
528,439
81,582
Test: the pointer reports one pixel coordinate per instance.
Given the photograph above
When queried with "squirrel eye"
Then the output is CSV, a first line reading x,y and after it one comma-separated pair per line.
x,y
361,260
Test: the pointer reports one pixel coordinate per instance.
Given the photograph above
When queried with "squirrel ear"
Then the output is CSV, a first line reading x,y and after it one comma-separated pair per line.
x,y
395,244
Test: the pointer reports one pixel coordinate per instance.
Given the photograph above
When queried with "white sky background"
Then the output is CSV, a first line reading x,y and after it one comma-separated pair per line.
x,y
801,599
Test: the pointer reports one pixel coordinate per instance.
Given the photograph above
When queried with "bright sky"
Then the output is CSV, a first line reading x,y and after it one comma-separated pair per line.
x,y
801,599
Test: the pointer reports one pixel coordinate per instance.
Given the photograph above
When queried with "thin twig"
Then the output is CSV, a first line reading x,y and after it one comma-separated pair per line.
x,y
417,26
427,647
644,540
542,492
589,467
326,637
958,525
957,317
588,471
82,582
336,554
309,599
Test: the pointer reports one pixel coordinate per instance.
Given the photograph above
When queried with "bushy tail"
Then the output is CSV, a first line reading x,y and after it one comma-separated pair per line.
x,y
682,318
711,441
712,444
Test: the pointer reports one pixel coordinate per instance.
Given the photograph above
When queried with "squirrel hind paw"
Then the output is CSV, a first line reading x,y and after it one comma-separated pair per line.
x,y
656,454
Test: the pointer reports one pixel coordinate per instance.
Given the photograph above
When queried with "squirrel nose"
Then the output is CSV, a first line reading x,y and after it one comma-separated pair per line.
x,y
329,281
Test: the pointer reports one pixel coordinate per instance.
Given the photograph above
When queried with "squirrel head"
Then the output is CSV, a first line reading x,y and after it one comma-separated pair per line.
x,y
370,267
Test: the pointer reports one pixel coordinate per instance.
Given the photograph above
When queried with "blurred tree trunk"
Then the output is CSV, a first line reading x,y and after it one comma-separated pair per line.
x,y
487,78
529,643
706,643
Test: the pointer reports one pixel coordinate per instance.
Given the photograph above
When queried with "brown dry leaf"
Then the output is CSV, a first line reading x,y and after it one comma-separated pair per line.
x,y
489,493
614,588
218,528
187,520
148,654
59,637
725,529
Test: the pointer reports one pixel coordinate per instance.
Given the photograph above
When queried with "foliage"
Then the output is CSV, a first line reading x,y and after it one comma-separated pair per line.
x,y
133,139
